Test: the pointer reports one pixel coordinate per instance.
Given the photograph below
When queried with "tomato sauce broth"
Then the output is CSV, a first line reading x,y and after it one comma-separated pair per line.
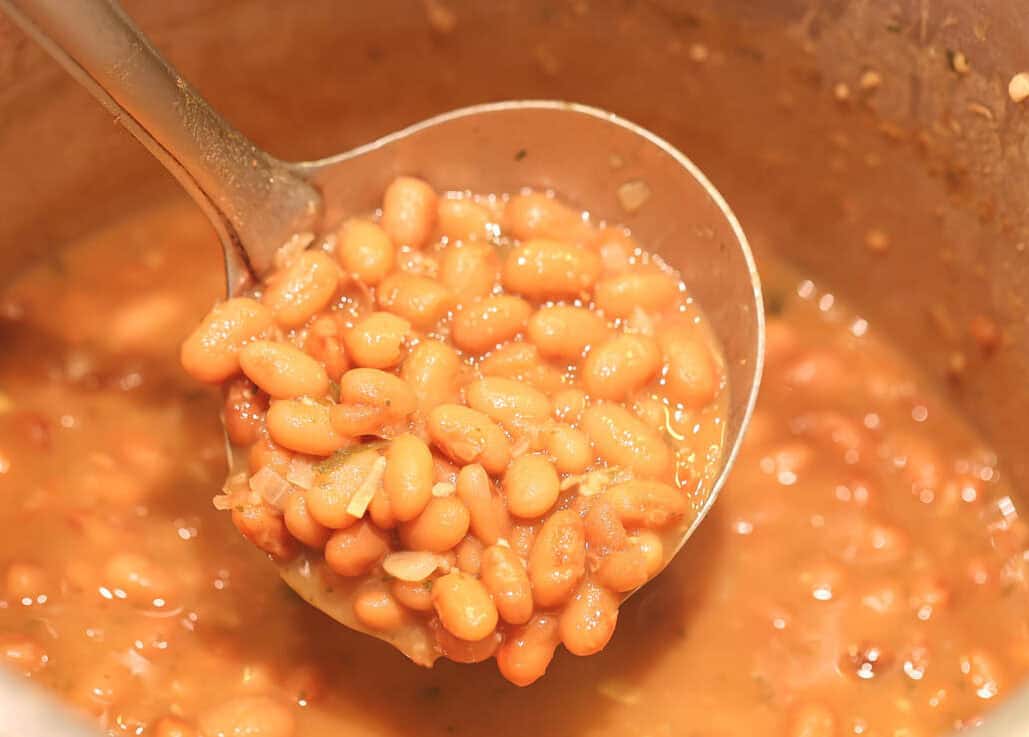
x,y
862,573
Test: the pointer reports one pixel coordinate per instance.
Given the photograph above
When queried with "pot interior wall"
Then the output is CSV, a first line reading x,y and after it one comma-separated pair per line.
x,y
827,129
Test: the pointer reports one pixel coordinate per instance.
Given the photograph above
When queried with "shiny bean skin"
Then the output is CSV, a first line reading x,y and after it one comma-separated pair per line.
x,y
365,251
569,405
588,622
170,726
243,412
265,528
481,325
464,606
328,498
623,440
378,341
469,436
469,555
25,581
371,400
303,426
324,343
623,570
211,352
282,371
531,485
462,219
557,560
409,211
432,370
488,516
649,504
304,289
248,716
564,332
690,375
543,269
464,651
356,550
621,366
513,360
569,447
377,610
302,525
604,529
421,301
812,719
469,270
408,477
504,576
622,295
652,549
415,595
535,215
441,526
528,650
511,403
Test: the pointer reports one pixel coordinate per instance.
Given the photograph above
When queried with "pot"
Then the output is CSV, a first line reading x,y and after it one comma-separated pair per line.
x,y
874,143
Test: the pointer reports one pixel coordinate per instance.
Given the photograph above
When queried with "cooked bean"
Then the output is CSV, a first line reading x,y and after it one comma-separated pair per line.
x,y
488,515
303,290
462,218
485,323
357,549
415,595
469,270
621,366
616,249
511,403
378,340
334,486
690,375
589,620
469,555
324,343
265,452
653,550
557,560
531,486
169,726
252,716
371,401
283,371
418,299
535,215
623,440
604,529
469,436
564,332
409,211
380,510
504,576
463,651
528,650
513,360
243,412
141,580
377,610
570,448
440,526
622,295
545,269
211,352
464,606
264,527
812,720
304,426
25,581
648,504
365,251
432,370
569,405
302,525
22,654
622,570
409,476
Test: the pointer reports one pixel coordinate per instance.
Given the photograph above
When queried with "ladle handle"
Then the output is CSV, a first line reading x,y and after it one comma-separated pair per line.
x,y
255,201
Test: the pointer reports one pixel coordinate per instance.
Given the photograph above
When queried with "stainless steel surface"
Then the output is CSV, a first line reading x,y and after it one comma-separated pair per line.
x,y
26,711
765,96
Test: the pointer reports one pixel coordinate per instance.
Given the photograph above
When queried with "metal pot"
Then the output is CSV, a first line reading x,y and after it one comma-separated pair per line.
x,y
830,126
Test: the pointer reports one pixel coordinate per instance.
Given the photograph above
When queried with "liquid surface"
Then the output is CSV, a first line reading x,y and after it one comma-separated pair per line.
x,y
862,573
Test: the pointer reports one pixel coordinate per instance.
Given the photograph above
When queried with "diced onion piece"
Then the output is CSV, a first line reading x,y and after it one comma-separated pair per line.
x,y
412,565
594,482
359,502
271,486
222,502
301,472
443,489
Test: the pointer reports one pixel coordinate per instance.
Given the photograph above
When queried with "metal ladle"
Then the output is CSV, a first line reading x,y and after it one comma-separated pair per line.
x,y
256,202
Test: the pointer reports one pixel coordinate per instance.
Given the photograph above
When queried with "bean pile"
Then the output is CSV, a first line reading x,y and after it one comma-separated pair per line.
x,y
493,413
